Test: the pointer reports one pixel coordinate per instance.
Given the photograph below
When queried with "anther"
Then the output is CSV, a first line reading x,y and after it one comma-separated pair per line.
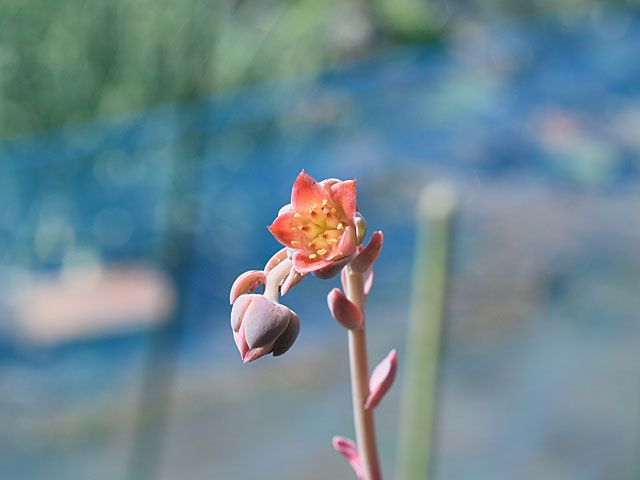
x,y
312,256
322,251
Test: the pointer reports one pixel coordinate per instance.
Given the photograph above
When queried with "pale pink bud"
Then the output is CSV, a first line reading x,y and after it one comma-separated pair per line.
x,y
246,283
261,326
349,450
382,379
344,310
369,254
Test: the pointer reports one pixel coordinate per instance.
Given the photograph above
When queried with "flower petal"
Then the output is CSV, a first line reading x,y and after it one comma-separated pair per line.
x,y
241,342
303,264
369,254
349,450
344,310
382,379
307,193
256,353
331,270
239,309
344,194
265,321
246,283
285,230
285,341
347,244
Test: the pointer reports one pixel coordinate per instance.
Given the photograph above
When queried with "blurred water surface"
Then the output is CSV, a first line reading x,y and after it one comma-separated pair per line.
x,y
536,124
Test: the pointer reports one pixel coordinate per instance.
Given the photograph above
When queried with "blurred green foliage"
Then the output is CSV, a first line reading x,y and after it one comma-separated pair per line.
x,y
69,61
73,60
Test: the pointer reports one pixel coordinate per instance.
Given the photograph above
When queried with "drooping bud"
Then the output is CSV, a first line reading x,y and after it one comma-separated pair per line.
x,y
246,283
344,310
349,450
261,326
382,379
369,254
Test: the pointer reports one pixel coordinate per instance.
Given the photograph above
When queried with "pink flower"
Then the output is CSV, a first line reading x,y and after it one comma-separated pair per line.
x,y
320,226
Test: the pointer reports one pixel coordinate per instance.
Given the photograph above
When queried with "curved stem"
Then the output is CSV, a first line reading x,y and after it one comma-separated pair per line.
x,y
363,419
275,277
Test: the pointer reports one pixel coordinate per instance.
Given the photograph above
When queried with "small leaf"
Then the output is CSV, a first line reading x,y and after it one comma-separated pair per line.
x,y
344,310
382,379
349,450
369,254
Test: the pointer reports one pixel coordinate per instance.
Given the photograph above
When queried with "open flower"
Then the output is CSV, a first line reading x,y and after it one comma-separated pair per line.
x,y
321,225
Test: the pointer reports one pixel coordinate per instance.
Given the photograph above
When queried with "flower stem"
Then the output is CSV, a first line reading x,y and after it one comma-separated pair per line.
x,y
363,419
275,278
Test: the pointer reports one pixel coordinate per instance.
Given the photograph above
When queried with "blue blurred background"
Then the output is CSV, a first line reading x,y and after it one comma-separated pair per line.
x,y
146,145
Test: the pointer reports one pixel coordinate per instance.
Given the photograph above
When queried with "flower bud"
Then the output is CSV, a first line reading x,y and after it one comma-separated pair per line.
x,y
261,326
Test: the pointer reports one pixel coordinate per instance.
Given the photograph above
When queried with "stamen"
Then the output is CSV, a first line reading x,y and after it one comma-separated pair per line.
x,y
322,251
297,215
312,256
332,240
340,226
324,202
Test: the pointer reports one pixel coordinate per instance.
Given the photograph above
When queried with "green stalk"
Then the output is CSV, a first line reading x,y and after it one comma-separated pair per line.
x,y
435,211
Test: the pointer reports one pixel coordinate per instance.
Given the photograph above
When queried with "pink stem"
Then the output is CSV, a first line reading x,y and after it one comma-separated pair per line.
x,y
363,419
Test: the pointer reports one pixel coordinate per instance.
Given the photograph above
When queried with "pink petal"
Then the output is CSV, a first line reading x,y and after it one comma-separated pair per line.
x,y
369,254
332,270
347,243
279,256
344,311
344,194
302,263
246,283
239,309
382,379
307,193
349,450
285,230
256,353
241,342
